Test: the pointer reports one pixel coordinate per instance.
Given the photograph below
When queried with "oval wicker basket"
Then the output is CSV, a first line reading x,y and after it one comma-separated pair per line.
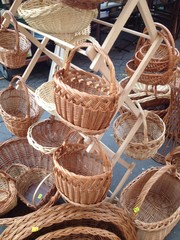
x,y
153,199
18,108
35,187
82,177
173,158
105,216
8,193
52,17
14,46
84,100
146,141
47,135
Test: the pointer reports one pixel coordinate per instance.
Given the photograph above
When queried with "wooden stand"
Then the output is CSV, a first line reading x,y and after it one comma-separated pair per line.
x,y
98,65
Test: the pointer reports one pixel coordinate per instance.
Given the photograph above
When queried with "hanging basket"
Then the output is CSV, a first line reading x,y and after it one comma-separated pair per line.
x,y
153,200
148,138
51,16
14,46
84,100
82,177
173,158
104,217
47,135
35,187
18,108
8,193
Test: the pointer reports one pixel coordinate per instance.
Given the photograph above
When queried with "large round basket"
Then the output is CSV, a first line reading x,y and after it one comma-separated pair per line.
x,y
14,46
82,177
84,100
18,108
148,138
47,135
51,16
8,193
153,199
72,222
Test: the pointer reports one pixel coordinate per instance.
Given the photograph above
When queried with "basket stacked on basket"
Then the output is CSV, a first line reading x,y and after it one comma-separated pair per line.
x,y
14,46
161,69
153,200
18,108
85,101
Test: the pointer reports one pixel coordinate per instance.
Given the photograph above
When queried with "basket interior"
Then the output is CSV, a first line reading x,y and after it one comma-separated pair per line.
x,y
161,202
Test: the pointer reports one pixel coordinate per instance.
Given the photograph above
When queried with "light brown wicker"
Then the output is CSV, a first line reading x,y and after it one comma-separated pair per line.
x,y
84,100
153,198
8,193
15,170
82,177
38,181
52,17
148,138
82,4
18,108
173,158
47,135
106,216
14,46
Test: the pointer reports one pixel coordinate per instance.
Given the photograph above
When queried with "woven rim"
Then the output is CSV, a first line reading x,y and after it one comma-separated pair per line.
x,y
144,181
108,216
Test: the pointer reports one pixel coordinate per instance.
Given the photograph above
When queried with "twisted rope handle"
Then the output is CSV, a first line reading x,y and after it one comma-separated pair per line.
x,y
113,87
25,91
148,185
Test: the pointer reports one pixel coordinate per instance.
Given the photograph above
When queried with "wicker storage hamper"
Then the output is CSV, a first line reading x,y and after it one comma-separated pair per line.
x,y
8,193
153,199
84,100
82,177
67,220
18,108
47,135
14,46
35,187
173,158
49,16
146,141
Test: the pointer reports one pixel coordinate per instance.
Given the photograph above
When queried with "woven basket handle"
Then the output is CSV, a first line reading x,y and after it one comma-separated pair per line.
x,y
148,185
25,91
171,156
142,112
113,87
15,28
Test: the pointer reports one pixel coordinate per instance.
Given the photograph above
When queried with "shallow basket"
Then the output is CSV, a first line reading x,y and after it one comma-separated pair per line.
x,y
84,100
82,177
173,158
50,16
8,193
153,200
14,46
68,219
18,108
35,187
148,138
47,135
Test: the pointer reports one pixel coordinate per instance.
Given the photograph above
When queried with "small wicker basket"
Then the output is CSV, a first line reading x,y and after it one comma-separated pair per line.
x,y
18,108
15,170
153,200
147,140
14,46
8,193
84,100
173,158
82,177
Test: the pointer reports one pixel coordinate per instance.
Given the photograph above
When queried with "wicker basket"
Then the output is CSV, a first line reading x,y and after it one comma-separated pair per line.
x,y
146,141
84,100
35,187
153,198
18,108
15,170
47,135
14,46
82,177
52,17
8,193
82,4
173,158
105,217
